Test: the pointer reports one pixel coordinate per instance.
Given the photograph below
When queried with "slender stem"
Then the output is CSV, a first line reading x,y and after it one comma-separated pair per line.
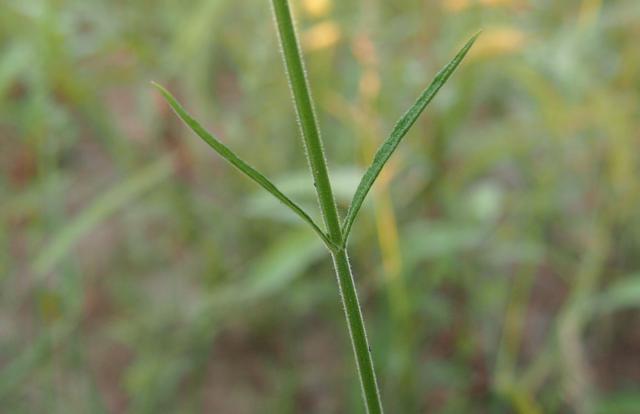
x,y
318,164
306,116
357,332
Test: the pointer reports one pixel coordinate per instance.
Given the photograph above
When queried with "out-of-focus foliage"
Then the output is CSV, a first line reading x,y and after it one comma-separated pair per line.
x,y
497,258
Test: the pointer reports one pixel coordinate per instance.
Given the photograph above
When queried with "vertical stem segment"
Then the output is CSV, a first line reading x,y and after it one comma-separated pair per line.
x,y
307,117
318,164
357,332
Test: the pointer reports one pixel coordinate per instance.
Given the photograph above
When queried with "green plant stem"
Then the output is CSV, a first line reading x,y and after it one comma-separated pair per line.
x,y
318,164
357,332
306,116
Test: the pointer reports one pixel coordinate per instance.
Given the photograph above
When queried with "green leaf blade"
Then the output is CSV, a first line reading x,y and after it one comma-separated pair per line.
x,y
399,131
241,165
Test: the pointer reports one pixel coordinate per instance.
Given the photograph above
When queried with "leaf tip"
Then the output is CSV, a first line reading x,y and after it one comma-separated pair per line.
x,y
160,88
473,39
156,84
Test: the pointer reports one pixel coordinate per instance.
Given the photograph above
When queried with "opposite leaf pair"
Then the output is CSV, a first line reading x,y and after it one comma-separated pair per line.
x,y
381,157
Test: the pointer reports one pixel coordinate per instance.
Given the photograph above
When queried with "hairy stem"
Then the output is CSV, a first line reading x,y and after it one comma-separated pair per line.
x,y
317,162
357,332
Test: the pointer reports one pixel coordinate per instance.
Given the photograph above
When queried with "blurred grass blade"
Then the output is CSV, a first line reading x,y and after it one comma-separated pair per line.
x,y
276,269
623,294
153,377
18,369
232,158
99,210
399,131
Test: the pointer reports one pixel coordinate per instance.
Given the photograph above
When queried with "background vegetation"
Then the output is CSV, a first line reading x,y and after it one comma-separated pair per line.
x,y
498,259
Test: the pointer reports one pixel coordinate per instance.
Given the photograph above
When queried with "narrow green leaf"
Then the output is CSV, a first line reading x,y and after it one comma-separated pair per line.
x,y
233,159
399,131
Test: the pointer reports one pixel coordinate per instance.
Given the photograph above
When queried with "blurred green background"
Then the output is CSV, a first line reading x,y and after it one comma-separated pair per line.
x,y
498,259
